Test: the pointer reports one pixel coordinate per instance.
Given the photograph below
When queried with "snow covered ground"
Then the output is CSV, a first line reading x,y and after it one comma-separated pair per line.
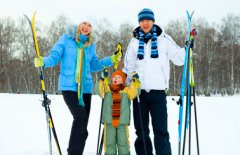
x,y
23,128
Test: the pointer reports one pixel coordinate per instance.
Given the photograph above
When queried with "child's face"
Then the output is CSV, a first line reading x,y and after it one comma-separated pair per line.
x,y
117,80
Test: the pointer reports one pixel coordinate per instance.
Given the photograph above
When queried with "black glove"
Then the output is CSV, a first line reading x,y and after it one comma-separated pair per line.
x,y
191,44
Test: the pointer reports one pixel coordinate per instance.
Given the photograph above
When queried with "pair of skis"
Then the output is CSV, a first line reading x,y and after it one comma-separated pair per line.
x,y
46,102
187,80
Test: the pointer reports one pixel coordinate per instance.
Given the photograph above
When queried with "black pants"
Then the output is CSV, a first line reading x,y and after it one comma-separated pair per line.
x,y
80,115
155,104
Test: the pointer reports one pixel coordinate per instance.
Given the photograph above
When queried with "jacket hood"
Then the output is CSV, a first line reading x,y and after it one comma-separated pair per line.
x,y
136,31
71,31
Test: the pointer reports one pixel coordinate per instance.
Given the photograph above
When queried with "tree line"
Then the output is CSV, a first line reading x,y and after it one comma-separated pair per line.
x,y
216,54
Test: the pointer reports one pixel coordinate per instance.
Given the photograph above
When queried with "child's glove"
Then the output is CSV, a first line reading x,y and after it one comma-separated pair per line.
x,y
104,74
135,78
38,62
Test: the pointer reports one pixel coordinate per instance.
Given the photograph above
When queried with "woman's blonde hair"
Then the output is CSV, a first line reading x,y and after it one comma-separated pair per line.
x,y
90,38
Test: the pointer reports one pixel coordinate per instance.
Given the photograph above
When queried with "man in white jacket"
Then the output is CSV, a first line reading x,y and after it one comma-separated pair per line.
x,y
149,53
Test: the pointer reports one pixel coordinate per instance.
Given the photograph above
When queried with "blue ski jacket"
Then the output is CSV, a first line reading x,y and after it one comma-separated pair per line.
x,y
65,52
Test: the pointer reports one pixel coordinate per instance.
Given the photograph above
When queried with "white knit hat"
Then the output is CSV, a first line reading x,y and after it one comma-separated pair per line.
x,y
88,19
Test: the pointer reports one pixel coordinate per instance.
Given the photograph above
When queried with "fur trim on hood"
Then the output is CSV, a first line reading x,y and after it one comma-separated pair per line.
x,y
71,31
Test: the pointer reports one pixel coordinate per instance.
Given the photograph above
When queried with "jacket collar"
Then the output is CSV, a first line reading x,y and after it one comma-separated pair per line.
x,y
136,31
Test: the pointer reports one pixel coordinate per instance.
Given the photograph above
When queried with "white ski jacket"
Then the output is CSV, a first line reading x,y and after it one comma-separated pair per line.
x,y
153,72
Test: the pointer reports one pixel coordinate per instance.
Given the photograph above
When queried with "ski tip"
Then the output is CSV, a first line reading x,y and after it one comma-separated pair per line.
x,y
27,18
24,15
34,13
189,15
33,17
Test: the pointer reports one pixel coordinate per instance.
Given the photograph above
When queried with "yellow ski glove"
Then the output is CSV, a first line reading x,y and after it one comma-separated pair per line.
x,y
38,62
115,58
135,77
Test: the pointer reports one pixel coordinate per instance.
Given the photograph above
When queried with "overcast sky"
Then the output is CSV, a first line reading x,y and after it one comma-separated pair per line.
x,y
119,11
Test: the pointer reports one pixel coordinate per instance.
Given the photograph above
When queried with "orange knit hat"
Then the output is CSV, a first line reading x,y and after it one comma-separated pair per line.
x,y
120,73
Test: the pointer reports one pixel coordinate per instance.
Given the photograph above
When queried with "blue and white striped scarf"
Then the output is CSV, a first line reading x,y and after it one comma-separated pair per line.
x,y
153,35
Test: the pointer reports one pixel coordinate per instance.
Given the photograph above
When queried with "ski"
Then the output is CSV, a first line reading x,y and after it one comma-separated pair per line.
x,y
46,102
183,83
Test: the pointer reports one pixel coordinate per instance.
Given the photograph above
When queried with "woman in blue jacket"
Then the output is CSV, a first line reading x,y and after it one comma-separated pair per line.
x,y
77,56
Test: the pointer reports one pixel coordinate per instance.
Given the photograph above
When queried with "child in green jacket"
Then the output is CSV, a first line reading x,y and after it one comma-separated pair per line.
x,y
116,112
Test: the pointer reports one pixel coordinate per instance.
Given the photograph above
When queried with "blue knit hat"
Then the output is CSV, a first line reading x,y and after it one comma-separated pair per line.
x,y
146,14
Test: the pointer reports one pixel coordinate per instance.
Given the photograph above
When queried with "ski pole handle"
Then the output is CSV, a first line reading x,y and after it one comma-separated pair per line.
x,y
135,77
193,33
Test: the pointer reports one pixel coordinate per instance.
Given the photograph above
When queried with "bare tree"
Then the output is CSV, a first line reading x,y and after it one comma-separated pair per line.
x,y
216,53
26,53
206,45
124,35
229,37
177,30
7,39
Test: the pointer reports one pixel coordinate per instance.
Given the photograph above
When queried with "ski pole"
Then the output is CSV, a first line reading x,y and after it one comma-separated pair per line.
x,y
140,117
141,123
192,83
99,129
99,146
196,122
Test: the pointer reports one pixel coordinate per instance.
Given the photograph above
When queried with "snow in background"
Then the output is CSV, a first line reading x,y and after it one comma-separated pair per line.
x,y
23,129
